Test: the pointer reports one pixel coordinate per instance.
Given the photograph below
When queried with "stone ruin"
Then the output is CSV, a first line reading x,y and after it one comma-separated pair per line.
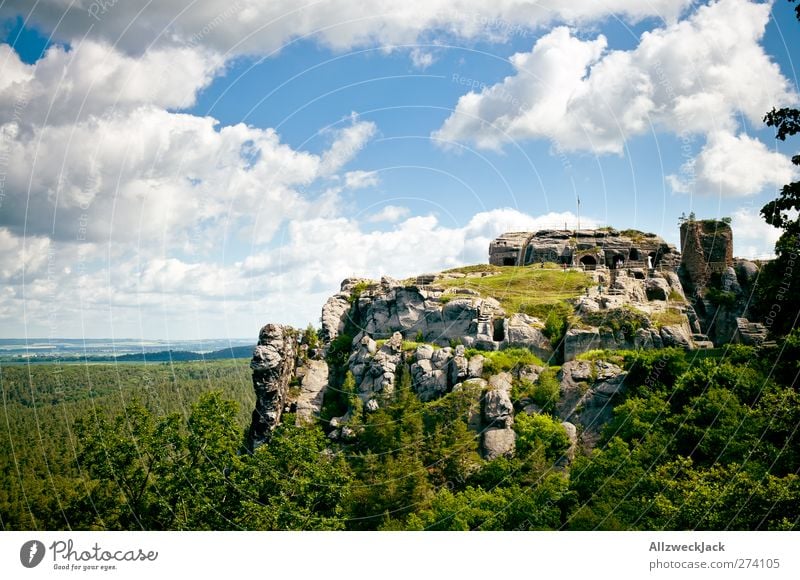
x,y
587,249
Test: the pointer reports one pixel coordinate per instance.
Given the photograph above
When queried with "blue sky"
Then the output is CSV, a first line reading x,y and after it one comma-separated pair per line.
x,y
190,170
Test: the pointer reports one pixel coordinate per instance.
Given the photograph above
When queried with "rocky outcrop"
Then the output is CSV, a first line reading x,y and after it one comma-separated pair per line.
x,y
589,390
750,333
373,368
313,382
521,330
273,365
580,340
430,373
657,289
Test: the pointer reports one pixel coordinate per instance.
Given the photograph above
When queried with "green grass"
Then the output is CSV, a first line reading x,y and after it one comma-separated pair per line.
x,y
519,289
505,360
472,269
669,317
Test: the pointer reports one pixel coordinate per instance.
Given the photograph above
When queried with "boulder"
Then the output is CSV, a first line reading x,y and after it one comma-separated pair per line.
x,y
572,435
580,340
475,366
498,410
525,331
334,315
498,443
676,335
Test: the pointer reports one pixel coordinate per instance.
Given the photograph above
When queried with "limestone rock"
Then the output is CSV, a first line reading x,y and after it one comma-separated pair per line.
x,y
589,391
498,410
432,372
374,369
312,391
572,435
675,284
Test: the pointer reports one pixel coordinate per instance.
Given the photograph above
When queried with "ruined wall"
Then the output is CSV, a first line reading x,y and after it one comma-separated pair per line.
x,y
602,247
706,247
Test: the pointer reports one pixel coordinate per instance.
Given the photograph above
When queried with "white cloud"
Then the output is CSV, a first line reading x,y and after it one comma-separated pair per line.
x,y
390,213
258,27
693,77
160,177
733,166
752,236
138,292
348,142
94,79
360,179
421,59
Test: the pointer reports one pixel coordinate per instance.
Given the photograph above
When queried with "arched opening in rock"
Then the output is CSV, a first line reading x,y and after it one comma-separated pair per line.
x,y
589,262
509,261
633,254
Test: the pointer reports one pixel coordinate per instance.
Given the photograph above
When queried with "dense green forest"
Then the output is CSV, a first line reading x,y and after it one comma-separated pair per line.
x,y
701,441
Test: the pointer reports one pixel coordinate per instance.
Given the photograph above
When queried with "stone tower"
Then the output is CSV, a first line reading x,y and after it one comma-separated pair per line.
x,y
706,248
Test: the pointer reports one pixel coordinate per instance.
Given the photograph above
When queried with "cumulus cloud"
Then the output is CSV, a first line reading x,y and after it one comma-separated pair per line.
x,y
753,237
692,77
390,213
287,282
93,79
258,27
732,166
157,176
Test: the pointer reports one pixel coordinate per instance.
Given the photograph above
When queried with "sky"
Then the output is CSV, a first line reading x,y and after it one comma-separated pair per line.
x,y
194,169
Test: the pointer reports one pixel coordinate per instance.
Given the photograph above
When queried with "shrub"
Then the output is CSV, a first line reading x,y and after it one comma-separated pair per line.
x,y
721,297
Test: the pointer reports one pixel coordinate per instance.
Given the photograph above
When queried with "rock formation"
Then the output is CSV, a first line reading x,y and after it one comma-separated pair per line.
x,y
273,366
433,328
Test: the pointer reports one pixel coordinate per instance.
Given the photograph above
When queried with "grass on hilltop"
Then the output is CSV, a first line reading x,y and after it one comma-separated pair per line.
x,y
523,288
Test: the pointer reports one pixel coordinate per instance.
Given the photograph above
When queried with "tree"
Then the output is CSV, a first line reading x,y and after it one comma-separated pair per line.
x,y
781,279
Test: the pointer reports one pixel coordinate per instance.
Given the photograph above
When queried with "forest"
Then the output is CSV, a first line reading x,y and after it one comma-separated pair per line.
x,y
702,440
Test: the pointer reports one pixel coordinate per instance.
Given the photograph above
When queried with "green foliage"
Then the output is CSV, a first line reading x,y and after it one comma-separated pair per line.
x,y
293,483
357,291
696,442
310,337
721,297
540,431
544,392
508,359
627,320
